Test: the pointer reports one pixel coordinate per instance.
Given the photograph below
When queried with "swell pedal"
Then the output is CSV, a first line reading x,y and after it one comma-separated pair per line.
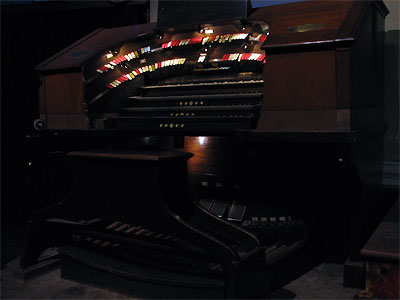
x,y
206,203
219,207
236,212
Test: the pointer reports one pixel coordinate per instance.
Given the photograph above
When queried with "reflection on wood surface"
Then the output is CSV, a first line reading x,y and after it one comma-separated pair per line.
x,y
212,154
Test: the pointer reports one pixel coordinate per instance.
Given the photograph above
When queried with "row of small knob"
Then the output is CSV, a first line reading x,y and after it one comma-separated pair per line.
x,y
172,125
191,103
181,114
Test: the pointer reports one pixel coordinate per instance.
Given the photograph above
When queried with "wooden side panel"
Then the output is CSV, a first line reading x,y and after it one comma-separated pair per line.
x,y
62,101
343,78
299,120
64,93
325,89
66,121
42,96
300,81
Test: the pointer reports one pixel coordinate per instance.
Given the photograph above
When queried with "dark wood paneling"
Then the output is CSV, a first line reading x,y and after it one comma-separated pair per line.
x,y
335,64
301,120
343,78
300,81
330,14
42,96
66,121
64,93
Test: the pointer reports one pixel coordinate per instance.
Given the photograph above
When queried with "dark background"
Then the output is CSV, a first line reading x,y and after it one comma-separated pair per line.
x,y
30,33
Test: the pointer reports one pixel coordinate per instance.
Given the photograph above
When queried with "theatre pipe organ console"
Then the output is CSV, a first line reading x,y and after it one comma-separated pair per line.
x,y
293,86
116,92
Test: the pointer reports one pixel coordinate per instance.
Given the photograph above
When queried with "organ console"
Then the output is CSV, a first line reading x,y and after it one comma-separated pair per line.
x,y
219,86
270,116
